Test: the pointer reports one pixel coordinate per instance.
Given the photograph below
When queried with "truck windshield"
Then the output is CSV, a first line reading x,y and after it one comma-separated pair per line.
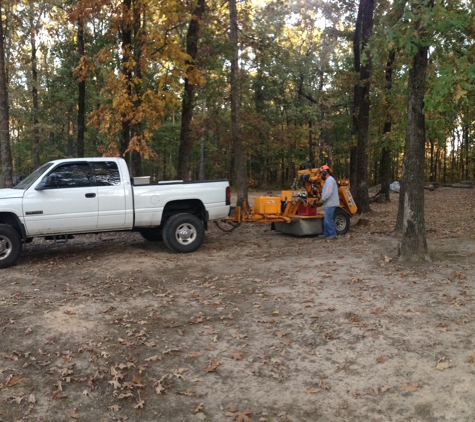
x,y
29,180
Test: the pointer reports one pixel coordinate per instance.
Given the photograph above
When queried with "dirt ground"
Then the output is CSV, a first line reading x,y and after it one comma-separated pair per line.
x,y
254,326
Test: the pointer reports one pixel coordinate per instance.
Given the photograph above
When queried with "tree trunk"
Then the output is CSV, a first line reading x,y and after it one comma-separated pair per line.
x,y
69,130
353,169
201,172
5,148
81,94
356,101
466,137
386,151
186,138
238,149
362,195
414,244
137,91
432,161
127,72
34,85
81,116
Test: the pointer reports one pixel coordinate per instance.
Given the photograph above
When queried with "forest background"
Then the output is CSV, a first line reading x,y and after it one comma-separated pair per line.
x,y
250,91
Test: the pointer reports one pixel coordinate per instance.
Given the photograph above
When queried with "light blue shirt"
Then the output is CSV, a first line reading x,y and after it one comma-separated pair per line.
x,y
330,193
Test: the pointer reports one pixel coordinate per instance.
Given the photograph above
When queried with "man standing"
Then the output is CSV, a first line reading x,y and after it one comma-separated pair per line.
x,y
330,200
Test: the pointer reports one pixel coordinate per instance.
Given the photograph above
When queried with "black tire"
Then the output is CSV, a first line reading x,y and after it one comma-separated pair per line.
x,y
10,246
152,235
183,233
342,221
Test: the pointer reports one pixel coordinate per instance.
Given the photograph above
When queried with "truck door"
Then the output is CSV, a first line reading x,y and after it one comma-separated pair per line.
x,y
112,195
68,202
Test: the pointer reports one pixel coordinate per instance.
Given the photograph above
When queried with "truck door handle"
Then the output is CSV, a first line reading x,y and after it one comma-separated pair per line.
x,y
90,195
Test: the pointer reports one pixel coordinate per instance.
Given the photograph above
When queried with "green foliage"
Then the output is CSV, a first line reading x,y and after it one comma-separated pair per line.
x,y
296,78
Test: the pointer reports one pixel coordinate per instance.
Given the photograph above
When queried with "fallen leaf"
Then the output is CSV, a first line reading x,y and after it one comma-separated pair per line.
x,y
140,404
381,359
73,414
137,379
199,407
13,381
153,358
324,384
243,416
212,366
58,395
123,396
31,398
410,388
160,389
114,408
312,390
377,311
237,355
115,383
443,365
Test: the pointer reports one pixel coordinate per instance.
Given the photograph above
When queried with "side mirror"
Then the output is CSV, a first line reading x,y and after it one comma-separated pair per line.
x,y
45,183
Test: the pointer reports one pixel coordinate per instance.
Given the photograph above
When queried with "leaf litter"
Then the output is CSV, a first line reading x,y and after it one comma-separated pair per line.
x,y
253,320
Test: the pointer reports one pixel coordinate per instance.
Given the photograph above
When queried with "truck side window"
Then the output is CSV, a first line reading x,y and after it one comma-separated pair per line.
x,y
106,173
70,176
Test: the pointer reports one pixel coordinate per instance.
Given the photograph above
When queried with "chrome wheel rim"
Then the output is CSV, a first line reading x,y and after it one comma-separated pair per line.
x,y
340,223
185,234
5,247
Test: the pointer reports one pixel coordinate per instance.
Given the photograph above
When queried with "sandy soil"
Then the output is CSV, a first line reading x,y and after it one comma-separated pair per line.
x,y
255,326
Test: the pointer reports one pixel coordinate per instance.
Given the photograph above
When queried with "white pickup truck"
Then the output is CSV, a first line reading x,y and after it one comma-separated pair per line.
x,y
91,195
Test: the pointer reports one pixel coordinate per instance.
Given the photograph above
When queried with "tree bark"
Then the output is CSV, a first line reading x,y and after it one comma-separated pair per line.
x,y
81,93
34,85
361,191
186,138
5,148
386,150
414,244
137,129
238,149
127,72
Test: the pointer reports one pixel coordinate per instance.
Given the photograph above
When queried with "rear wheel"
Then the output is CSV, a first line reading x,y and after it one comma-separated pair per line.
x,y
342,221
183,233
10,246
152,235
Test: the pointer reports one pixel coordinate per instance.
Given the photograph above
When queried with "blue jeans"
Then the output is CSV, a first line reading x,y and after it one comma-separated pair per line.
x,y
328,222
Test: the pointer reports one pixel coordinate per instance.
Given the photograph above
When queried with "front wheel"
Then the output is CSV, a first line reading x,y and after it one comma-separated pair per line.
x,y
342,221
183,233
10,246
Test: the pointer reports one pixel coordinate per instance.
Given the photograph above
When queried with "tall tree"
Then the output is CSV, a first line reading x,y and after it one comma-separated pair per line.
x,y
414,244
362,101
34,80
240,171
81,89
385,167
186,137
5,148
